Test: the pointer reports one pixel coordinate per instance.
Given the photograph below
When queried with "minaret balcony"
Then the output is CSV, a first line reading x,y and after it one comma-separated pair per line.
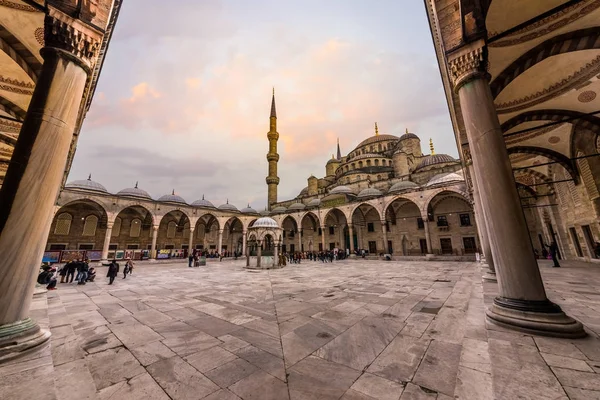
x,y
272,180
272,157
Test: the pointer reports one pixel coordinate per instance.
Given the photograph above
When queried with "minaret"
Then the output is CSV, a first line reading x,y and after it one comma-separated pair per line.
x,y
272,156
339,153
431,147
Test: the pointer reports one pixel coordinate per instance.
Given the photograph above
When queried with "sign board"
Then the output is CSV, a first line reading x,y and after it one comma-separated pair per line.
x,y
163,254
51,256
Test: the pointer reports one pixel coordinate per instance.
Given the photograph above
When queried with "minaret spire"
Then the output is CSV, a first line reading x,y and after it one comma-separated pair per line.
x,y
376,130
272,156
431,146
339,153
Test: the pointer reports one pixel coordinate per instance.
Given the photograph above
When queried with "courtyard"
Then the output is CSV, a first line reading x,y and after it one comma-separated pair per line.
x,y
351,330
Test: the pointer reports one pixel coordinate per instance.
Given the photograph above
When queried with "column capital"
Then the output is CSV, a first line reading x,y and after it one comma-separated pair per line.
x,y
71,38
468,63
155,228
109,225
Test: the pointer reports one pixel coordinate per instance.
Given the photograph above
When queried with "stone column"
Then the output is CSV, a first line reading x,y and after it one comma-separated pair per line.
x,y
153,254
35,173
522,301
384,232
191,241
220,245
107,236
258,253
299,240
244,242
487,258
275,254
351,235
323,228
425,218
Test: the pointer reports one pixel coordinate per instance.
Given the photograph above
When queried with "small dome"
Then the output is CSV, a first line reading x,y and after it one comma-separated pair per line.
x,y
403,185
375,139
278,210
172,198
265,222
228,207
249,210
409,135
369,192
333,160
341,189
296,207
135,192
434,159
265,212
87,184
445,178
314,203
203,203
303,192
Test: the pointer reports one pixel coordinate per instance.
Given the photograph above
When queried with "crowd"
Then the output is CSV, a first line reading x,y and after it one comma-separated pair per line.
x,y
85,273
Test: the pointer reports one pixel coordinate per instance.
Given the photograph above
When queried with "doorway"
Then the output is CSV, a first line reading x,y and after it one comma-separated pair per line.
x,y
589,240
446,245
423,244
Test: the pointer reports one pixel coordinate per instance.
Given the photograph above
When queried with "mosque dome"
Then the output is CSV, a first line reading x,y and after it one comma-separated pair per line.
x,y
135,192
434,159
265,212
445,178
296,207
314,203
87,184
369,192
203,203
375,139
409,135
265,222
341,190
403,185
331,161
248,210
278,210
303,192
228,207
172,198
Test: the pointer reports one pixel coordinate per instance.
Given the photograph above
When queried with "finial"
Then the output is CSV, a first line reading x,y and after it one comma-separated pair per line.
x,y
248,205
407,131
136,184
431,146
376,130
202,197
173,193
273,90
90,177
332,157
227,201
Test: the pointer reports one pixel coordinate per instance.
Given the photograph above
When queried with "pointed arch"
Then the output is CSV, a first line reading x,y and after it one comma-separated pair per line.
x,y
551,154
20,54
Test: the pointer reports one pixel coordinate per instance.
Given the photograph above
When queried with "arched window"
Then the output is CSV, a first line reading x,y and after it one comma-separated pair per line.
x,y
116,231
353,166
383,163
360,164
378,177
89,227
186,230
368,163
171,230
63,224
136,228
379,147
372,148
377,163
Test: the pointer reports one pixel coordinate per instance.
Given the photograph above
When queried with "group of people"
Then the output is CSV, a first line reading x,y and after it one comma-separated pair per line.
x,y
323,256
114,268
85,273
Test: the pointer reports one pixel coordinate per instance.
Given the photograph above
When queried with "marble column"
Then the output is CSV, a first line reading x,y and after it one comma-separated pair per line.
x,y
351,235
323,233
107,236
299,240
220,245
275,254
35,174
425,218
385,240
191,241
487,258
522,301
244,242
258,254
153,254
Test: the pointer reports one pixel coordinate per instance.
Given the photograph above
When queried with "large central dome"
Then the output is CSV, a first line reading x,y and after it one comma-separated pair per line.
x,y
375,139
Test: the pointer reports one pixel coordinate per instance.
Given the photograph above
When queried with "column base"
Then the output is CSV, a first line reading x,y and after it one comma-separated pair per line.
x,y
489,275
18,338
535,317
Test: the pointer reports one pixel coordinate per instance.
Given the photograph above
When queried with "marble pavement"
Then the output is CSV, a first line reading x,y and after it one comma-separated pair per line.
x,y
352,330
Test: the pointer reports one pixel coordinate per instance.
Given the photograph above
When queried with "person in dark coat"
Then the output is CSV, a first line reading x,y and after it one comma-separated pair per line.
x,y
71,268
554,253
113,270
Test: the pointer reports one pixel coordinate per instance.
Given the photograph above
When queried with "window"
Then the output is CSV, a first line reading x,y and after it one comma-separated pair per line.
x,y
331,230
186,230
86,246
420,223
442,220
89,227
370,227
383,163
171,230
135,228
112,246
387,226
576,243
116,231
377,163
368,163
360,164
291,233
465,220
56,247
446,245
63,224
379,146
373,247
132,247
284,234
372,148
469,244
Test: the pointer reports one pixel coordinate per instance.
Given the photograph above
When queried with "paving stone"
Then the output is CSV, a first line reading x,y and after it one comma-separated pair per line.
x,y
231,372
186,343
578,379
439,367
134,335
415,392
152,352
378,388
212,358
260,386
111,366
566,362
222,394
180,380
263,360
400,360
314,378
473,385
141,387
582,394
73,381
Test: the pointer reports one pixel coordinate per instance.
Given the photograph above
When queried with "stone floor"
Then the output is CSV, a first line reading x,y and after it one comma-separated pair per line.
x,y
351,330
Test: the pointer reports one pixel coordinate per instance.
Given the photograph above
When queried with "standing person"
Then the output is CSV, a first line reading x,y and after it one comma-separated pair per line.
x,y
130,262
71,267
126,269
554,253
113,270
190,260
83,272
63,273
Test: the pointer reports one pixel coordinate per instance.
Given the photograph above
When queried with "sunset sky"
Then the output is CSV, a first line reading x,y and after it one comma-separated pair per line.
x,y
184,97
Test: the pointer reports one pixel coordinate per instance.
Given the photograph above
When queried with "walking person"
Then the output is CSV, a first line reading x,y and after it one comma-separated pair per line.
x,y
131,264
554,253
113,270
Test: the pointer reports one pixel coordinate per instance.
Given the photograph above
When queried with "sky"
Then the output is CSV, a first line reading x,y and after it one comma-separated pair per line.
x,y
184,96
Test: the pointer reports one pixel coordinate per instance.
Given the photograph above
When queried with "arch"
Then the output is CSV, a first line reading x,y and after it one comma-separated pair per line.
x,y
175,210
583,39
330,213
208,219
153,218
551,154
537,175
83,200
554,115
136,228
12,108
20,54
359,205
63,224
231,222
527,189
427,202
390,213
290,218
141,212
313,219
90,225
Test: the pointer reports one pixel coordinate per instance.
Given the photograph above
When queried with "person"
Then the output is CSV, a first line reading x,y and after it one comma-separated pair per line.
x,y
597,249
544,253
554,253
126,269
196,260
46,277
91,274
130,262
83,272
113,270
190,260
71,267
63,273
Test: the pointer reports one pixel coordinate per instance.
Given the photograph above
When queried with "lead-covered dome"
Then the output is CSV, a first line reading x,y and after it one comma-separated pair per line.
x,y
278,210
376,138
203,203
86,184
341,190
248,210
403,185
369,192
172,198
434,159
265,213
409,135
445,179
265,222
314,203
135,192
228,207
296,207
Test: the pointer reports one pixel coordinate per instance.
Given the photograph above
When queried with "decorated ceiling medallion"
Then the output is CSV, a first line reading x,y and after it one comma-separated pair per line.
x,y
587,96
39,35
553,139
